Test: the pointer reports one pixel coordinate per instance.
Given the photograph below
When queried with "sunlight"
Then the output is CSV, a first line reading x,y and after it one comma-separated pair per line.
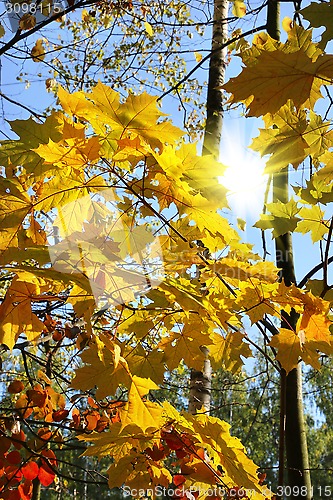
x,y
243,178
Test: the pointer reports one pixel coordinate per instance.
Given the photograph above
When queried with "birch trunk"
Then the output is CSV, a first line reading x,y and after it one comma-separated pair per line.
x,y
292,422
200,383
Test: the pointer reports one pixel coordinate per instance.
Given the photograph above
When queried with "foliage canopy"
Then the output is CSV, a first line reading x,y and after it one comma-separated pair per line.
x,y
106,212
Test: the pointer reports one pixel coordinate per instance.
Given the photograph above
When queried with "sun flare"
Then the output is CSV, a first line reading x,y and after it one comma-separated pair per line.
x,y
244,179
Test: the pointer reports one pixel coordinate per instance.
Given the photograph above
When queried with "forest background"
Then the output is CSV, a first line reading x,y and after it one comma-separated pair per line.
x,y
154,48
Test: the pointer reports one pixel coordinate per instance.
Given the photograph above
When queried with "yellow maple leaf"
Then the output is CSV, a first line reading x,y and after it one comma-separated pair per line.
x,y
256,298
289,138
120,472
313,222
56,195
186,345
285,141
31,135
276,77
238,270
146,364
15,204
312,333
138,116
227,451
318,136
82,301
282,219
104,444
227,351
76,104
320,14
289,345
314,319
293,346
101,373
36,232
131,151
144,414
16,315
73,152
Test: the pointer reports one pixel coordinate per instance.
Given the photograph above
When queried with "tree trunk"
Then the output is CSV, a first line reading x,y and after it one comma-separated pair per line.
x,y
36,489
213,128
292,432
200,387
200,383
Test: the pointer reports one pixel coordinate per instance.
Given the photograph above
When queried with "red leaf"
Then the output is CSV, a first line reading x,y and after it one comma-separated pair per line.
x,y
25,490
46,475
50,456
11,495
181,453
30,470
4,445
178,479
14,475
174,442
60,415
156,453
13,458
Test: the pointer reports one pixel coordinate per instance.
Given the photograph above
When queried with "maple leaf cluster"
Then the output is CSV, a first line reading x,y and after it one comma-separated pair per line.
x,y
98,273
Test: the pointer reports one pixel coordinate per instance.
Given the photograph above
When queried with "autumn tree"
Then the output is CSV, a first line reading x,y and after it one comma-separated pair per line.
x,y
99,297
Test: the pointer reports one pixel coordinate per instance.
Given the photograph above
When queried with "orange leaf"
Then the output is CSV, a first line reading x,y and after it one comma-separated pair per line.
x,y
14,475
46,475
30,470
92,420
25,490
37,397
91,402
15,387
178,479
44,433
60,415
49,454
